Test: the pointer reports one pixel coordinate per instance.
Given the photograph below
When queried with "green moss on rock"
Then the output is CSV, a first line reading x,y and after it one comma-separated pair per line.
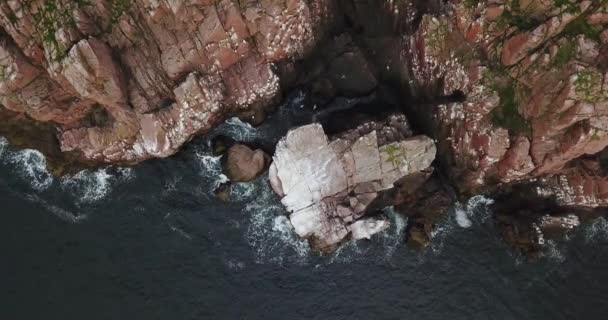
x,y
507,114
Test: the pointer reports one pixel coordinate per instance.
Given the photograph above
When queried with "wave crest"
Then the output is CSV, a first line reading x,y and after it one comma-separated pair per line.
x,y
31,165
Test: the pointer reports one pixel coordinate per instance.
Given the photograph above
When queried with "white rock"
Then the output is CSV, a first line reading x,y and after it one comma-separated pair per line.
x,y
328,186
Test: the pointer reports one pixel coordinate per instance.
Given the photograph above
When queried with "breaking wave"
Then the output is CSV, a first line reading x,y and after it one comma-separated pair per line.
x,y
394,236
3,145
476,209
270,233
442,230
383,244
31,166
210,169
244,191
90,186
238,130
596,231
462,218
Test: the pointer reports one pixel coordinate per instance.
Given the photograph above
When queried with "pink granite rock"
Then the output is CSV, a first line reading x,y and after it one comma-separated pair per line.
x,y
164,71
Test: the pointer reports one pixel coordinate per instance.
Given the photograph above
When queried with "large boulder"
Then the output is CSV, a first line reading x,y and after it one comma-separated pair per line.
x,y
244,164
328,185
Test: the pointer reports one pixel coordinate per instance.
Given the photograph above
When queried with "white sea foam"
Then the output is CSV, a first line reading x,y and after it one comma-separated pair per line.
x,y
552,251
180,232
462,218
3,145
90,186
394,236
270,233
171,185
235,265
61,213
476,209
381,246
440,233
243,191
596,231
124,174
238,130
31,165
348,253
210,169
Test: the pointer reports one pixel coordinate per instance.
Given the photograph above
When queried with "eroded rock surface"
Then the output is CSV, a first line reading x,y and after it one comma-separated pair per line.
x,y
328,184
162,71
531,74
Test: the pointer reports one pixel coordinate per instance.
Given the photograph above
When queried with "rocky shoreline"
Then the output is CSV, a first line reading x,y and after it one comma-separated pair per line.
x,y
502,97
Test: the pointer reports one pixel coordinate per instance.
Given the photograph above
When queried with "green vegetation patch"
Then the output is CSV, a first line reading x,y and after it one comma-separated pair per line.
x,y
471,4
588,86
518,17
507,115
568,6
565,54
117,9
395,154
580,26
51,16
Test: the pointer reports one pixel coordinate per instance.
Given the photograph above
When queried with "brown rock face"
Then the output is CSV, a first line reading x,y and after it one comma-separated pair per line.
x,y
243,164
510,94
162,71
535,98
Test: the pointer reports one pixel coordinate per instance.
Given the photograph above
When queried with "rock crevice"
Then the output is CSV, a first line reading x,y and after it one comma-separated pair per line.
x,y
328,185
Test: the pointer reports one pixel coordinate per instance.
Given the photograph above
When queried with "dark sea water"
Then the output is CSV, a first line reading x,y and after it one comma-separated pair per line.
x,y
152,242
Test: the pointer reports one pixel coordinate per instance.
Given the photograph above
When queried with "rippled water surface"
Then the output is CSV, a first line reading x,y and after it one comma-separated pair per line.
x,y
151,242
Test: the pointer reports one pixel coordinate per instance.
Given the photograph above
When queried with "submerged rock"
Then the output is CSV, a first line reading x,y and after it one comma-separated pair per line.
x,y
328,185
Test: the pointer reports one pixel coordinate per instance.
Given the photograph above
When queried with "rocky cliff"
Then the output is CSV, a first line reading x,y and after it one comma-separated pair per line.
x,y
533,74
513,92
124,81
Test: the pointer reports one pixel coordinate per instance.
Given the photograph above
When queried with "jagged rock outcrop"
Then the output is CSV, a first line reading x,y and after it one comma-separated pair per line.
x,y
161,71
513,91
531,73
425,200
328,185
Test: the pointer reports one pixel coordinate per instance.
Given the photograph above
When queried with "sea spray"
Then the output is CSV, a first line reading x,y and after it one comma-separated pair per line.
x,y
462,217
381,246
236,129
348,253
210,169
93,185
243,191
596,231
476,209
393,237
269,232
441,231
31,166
3,145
